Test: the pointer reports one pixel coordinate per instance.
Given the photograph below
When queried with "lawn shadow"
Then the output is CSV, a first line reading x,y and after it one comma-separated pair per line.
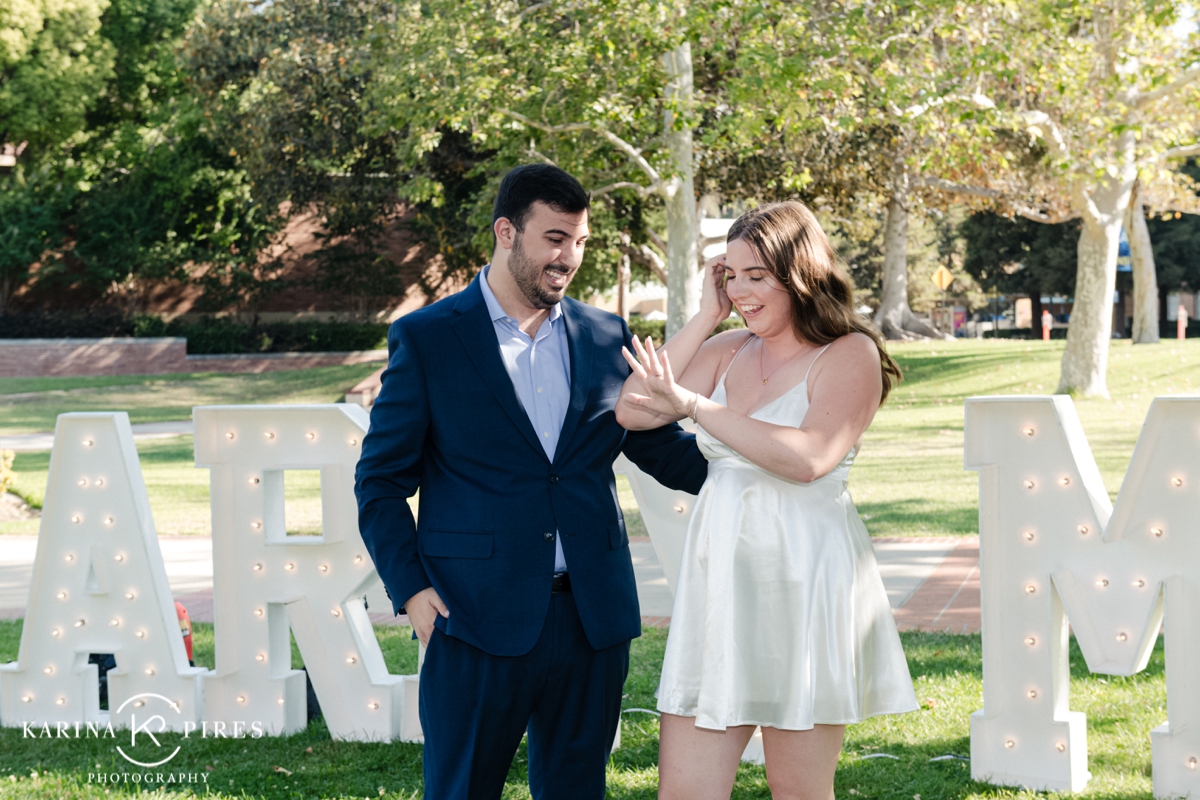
x,y
915,517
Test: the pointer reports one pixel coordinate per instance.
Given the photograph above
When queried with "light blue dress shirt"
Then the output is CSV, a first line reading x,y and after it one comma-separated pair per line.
x,y
540,370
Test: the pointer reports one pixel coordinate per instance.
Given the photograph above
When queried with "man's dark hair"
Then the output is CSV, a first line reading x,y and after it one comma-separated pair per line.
x,y
523,186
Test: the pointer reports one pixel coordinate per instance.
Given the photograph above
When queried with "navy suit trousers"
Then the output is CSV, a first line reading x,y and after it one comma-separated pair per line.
x,y
475,707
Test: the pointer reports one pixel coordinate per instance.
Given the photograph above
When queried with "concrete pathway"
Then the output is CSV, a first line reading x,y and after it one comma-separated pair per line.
x,y
29,442
932,583
948,598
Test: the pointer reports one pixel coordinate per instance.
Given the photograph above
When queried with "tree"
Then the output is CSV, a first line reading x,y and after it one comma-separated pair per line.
x,y
162,200
126,170
1020,256
285,87
1144,250
1105,94
856,94
602,88
29,227
53,65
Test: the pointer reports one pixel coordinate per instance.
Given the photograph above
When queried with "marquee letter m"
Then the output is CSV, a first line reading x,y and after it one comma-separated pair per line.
x,y
1053,547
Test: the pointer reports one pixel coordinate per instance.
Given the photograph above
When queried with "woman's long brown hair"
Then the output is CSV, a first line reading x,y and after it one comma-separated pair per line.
x,y
789,240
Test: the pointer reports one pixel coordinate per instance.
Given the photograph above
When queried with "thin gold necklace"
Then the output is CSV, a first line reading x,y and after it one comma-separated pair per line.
x,y
766,378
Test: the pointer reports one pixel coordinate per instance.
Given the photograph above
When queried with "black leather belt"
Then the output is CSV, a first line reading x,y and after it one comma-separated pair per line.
x,y
560,583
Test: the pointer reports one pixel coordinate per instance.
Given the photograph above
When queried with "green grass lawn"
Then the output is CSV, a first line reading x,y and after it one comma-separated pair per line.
x,y
29,405
179,495
178,491
945,668
908,481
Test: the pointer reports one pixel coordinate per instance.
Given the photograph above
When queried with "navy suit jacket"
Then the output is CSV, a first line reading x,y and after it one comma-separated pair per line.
x,y
448,422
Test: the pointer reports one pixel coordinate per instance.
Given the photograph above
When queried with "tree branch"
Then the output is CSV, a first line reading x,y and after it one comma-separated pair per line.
x,y
533,151
1049,131
530,9
616,141
645,255
642,191
657,241
1041,125
909,35
1183,152
1020,209
1143,99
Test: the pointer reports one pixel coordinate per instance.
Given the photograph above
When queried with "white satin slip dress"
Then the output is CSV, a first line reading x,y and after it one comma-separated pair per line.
x,y
780,617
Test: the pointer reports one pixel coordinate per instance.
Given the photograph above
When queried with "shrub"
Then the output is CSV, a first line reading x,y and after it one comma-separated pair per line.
x,y
656,329
208,336
90,324
1024,333
211,336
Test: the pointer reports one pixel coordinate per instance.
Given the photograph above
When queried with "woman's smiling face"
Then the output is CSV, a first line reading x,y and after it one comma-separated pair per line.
x,y
753,289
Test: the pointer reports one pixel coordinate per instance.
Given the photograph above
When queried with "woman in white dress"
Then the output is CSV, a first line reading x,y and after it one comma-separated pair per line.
x,y
780,618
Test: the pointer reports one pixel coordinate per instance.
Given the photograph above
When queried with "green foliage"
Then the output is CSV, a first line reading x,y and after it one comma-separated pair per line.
x,y
207,336
134,175
581,86
165,199
223,335
1020,256
1176,242
93,323
29,226
53,64
614,222
656,329
284,86
449,192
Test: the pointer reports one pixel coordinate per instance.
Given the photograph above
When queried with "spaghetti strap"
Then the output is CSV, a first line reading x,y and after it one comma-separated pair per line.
x,y
749,338
814,361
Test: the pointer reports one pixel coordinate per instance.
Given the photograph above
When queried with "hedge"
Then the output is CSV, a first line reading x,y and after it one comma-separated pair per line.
x,y
208,336
656,329
222,335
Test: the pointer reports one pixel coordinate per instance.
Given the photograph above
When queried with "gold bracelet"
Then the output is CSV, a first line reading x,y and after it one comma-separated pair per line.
x,y
695,405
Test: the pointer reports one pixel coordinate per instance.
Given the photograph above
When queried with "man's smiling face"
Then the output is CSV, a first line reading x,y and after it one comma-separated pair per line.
x,y
547,254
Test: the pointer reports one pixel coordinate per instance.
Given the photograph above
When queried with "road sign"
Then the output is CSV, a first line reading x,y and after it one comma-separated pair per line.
x,y
943,278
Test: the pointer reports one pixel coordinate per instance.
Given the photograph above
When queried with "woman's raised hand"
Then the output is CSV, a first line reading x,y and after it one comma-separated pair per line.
x,y
714,302
654,371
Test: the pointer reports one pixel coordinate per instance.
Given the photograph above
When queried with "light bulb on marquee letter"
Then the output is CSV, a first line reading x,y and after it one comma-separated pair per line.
x,y
127,555
260,574
1114,586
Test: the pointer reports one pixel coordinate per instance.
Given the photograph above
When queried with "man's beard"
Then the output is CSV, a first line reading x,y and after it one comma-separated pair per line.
x,y
528,275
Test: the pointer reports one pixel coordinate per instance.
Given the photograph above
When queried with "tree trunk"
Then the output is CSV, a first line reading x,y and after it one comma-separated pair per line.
x,y
1085,361
623,273
1035,311
1145,276
894,317
683,279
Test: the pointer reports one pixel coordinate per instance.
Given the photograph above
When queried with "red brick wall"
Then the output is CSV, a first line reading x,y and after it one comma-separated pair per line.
x,y
30,358
272,362
27,358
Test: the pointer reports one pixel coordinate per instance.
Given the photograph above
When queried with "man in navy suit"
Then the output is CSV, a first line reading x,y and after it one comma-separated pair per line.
x,y
497,404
